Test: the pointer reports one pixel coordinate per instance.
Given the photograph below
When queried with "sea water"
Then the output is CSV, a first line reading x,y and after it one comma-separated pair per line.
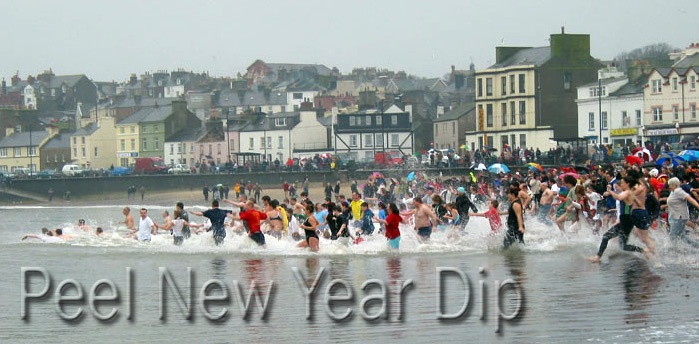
x,y
554,294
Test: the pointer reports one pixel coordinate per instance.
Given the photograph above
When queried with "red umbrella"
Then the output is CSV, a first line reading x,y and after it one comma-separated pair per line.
x,y
633,159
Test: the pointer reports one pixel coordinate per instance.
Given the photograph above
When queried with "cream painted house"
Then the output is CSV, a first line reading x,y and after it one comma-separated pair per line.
x,y
670,102
127,142
527,98
94,145
21,149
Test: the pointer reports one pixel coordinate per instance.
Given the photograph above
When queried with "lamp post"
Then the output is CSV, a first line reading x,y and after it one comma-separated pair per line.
x,y
29,151
599,101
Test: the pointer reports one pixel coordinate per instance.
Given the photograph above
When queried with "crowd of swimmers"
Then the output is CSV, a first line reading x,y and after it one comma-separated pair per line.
x,y
615,202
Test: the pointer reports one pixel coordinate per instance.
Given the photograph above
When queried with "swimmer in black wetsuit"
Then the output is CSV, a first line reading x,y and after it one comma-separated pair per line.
x,y
309,227
515,221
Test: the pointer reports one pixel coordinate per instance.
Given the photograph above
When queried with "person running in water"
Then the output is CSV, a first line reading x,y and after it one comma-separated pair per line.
x,y
625,225
515,220
218,218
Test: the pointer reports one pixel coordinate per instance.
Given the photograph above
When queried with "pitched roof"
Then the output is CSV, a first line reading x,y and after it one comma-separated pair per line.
x,y
86,130
318,68
529,56
689,61
22,139
149,114
456,113
58,142
58,80
187,135
131,102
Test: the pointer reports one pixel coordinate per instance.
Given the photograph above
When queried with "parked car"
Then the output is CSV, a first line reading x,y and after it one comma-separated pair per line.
x,y
24,173
121,171
180,168
48,173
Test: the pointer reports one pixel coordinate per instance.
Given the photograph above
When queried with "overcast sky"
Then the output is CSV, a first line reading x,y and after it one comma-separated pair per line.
x,y
109,40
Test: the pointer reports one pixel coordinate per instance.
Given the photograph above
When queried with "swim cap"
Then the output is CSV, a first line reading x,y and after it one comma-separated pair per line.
x,y
461,189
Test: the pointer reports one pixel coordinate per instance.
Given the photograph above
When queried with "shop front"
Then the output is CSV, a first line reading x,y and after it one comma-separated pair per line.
x,y
663,135
624,136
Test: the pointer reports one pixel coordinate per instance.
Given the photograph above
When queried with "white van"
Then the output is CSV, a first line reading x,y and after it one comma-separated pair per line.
x,y
72,170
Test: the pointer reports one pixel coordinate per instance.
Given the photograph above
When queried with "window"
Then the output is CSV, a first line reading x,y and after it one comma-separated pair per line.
x,y
488,86
513,116
218,149
512,84
143,129
503,85
503,111
379,120
394,140
269,144
657,114
394,119
367,120
133,144
522,88
675,112
480,87
353,140
82,139
368,140
352,121
693,82
121,130
75,152
280,122
252,143
298,95
453,128
567,81
657,86
18,151
53,92
144,144
522,112
280,140
95,152
155,128
3,152
379,140
133,129
32,151
638,117
179,148
604,120
625,119
156,143
591,121
83,150
489,115
262,144
693,111
523,140
674,84
75,140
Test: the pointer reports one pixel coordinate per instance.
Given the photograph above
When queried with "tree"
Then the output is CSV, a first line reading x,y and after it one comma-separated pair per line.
x,y
653,52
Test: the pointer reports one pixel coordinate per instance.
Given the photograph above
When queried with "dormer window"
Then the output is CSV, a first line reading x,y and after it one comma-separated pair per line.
x,y
280,122
179,81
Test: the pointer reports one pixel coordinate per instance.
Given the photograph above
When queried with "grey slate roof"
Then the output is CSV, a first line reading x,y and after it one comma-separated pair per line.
x,y
187,135
22,139
689,61
529,56
318,68
86,130
131,102
456,113
149,114
58,142
230,98
68,80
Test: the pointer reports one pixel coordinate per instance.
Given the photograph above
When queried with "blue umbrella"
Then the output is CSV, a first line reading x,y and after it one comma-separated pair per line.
x,y
689,155
674,159
498,168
